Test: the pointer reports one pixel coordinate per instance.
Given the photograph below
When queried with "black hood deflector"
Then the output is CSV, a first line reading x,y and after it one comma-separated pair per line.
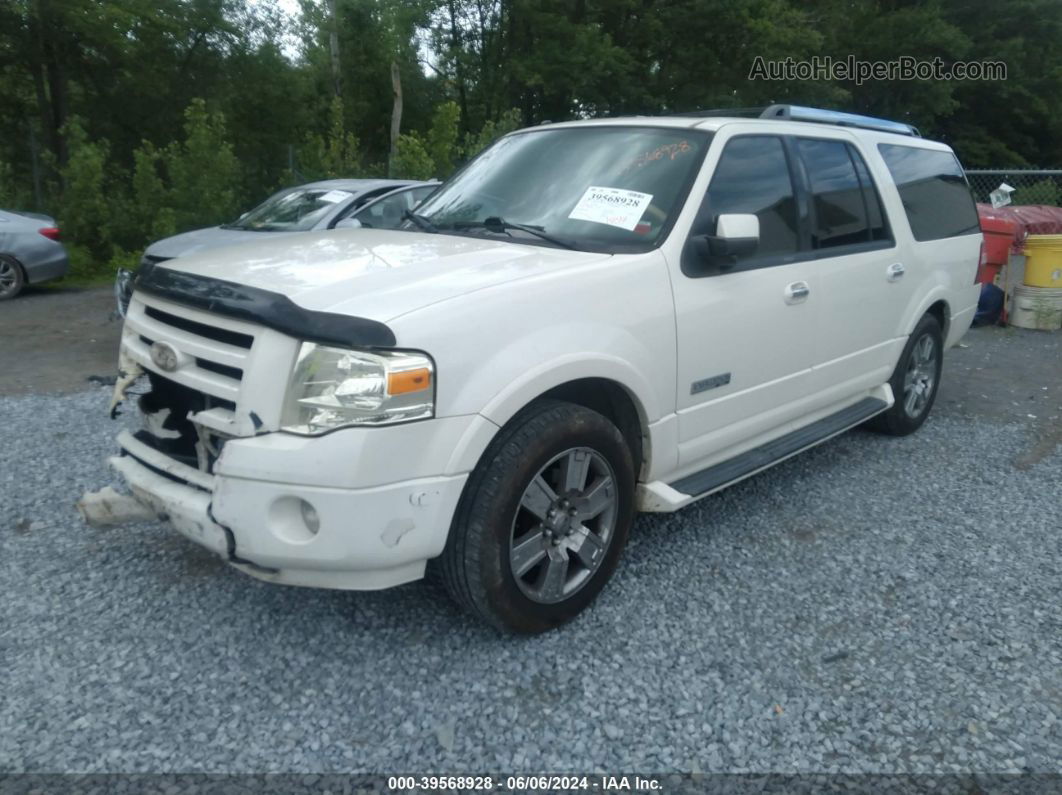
x,y
266,308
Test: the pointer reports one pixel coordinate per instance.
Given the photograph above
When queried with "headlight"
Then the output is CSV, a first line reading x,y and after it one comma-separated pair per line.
x,y
335,387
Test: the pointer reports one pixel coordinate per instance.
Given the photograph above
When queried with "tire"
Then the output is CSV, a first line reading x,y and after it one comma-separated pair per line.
x,y
915,381
504,538
12,279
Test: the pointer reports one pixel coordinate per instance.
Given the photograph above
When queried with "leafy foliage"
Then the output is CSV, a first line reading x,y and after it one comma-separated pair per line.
x,y
87,207
131,120
412,160
442,137
203,170
336,153
10,193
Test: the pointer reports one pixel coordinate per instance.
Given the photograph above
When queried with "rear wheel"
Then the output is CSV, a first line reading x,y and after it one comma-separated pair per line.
x,y
543,520
915,380
11,278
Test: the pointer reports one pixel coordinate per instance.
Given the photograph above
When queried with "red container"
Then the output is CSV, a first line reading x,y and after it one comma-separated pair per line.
x,y
999,235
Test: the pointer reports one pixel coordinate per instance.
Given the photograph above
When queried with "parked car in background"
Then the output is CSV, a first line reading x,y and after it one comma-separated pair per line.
x,y
328,204
30,251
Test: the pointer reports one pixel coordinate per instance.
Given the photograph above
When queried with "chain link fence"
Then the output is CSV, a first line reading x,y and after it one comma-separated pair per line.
x,y
1032,186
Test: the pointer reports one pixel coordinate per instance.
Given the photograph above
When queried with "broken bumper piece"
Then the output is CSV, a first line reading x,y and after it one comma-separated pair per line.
x,y
291,533
185,507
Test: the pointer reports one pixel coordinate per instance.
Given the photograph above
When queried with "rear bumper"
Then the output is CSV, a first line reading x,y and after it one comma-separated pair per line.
x,y
53,265
367,538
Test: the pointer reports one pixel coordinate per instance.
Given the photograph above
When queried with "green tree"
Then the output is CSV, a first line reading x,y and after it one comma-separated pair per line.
x,y
203,170
10,195
152,202
335,154
412,160
87,205
1016,121
490,132
442,142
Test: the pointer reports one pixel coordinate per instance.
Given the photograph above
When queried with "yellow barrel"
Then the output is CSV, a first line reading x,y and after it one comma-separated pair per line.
x,y
1043,261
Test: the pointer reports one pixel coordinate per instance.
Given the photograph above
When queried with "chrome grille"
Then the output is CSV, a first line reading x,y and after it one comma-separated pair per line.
x,y
215,351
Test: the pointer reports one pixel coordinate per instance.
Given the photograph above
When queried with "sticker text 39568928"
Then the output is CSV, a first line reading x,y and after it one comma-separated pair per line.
x,y
612,206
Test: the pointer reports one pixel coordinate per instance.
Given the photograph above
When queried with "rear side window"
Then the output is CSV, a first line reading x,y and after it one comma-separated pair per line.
x,y
846,209
933,190
752,176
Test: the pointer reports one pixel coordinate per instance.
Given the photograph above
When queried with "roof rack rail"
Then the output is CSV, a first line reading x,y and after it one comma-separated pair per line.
x,y
754,113
821,116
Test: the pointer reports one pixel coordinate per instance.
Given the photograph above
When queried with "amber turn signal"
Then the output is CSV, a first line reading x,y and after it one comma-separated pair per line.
x,y
406,381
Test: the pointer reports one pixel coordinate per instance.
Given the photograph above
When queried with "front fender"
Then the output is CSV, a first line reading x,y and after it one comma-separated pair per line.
x,y
518,373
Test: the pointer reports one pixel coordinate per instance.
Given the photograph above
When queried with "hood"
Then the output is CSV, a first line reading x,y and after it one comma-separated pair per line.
x,y
375,273
205,239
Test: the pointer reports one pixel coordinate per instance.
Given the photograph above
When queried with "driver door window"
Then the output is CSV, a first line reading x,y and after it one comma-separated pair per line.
x,y
752,176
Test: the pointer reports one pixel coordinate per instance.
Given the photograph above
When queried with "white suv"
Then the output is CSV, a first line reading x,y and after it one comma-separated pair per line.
x,y
590,319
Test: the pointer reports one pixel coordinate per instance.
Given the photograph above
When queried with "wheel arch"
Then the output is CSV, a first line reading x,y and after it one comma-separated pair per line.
x,y
935,302
614,401
609,394
942,312
14,261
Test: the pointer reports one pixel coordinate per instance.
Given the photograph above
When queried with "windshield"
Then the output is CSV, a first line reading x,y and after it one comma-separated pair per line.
x,y
298,210
596,188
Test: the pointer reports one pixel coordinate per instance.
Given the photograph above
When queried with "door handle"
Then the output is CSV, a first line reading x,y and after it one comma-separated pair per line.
x,y
796,292
895,272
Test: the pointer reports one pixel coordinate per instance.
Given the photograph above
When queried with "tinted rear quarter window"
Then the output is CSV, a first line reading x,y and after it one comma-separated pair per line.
x,y
933,190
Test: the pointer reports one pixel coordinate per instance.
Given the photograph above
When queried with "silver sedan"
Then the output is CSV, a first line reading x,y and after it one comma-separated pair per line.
x,y
30,251
329,204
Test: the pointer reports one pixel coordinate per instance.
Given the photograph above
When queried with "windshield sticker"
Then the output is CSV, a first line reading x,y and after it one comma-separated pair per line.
x,y
665,152
612,206
333,196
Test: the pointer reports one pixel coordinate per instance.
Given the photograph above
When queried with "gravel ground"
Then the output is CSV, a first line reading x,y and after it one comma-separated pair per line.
x,y
877,604
57,337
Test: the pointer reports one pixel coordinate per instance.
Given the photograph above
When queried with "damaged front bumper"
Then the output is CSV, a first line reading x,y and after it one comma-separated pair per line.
x,y
187,508
358,508
298,533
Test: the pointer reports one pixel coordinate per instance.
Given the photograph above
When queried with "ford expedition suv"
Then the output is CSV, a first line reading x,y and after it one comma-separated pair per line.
x,y
589,320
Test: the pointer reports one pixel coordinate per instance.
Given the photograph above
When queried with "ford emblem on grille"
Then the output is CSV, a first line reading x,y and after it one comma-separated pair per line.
x,y
164,356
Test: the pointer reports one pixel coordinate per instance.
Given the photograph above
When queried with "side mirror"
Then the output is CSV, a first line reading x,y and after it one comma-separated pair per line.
x,y
348,223
736,235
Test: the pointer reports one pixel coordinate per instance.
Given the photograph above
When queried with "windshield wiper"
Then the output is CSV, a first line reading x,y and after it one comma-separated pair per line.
x,y
500,225
420,221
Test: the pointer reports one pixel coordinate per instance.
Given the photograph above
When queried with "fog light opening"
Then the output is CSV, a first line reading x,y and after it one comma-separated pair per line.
x,y
310,517
294,520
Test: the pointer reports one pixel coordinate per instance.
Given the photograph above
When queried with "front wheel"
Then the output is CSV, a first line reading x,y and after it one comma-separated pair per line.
x,y
543,520
915,381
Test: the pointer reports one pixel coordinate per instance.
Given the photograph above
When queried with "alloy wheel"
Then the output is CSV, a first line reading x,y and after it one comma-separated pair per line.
x,y
921,376
8,277
563,525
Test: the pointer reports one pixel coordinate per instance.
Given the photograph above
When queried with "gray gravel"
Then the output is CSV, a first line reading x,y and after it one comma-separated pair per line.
x,y
877,604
